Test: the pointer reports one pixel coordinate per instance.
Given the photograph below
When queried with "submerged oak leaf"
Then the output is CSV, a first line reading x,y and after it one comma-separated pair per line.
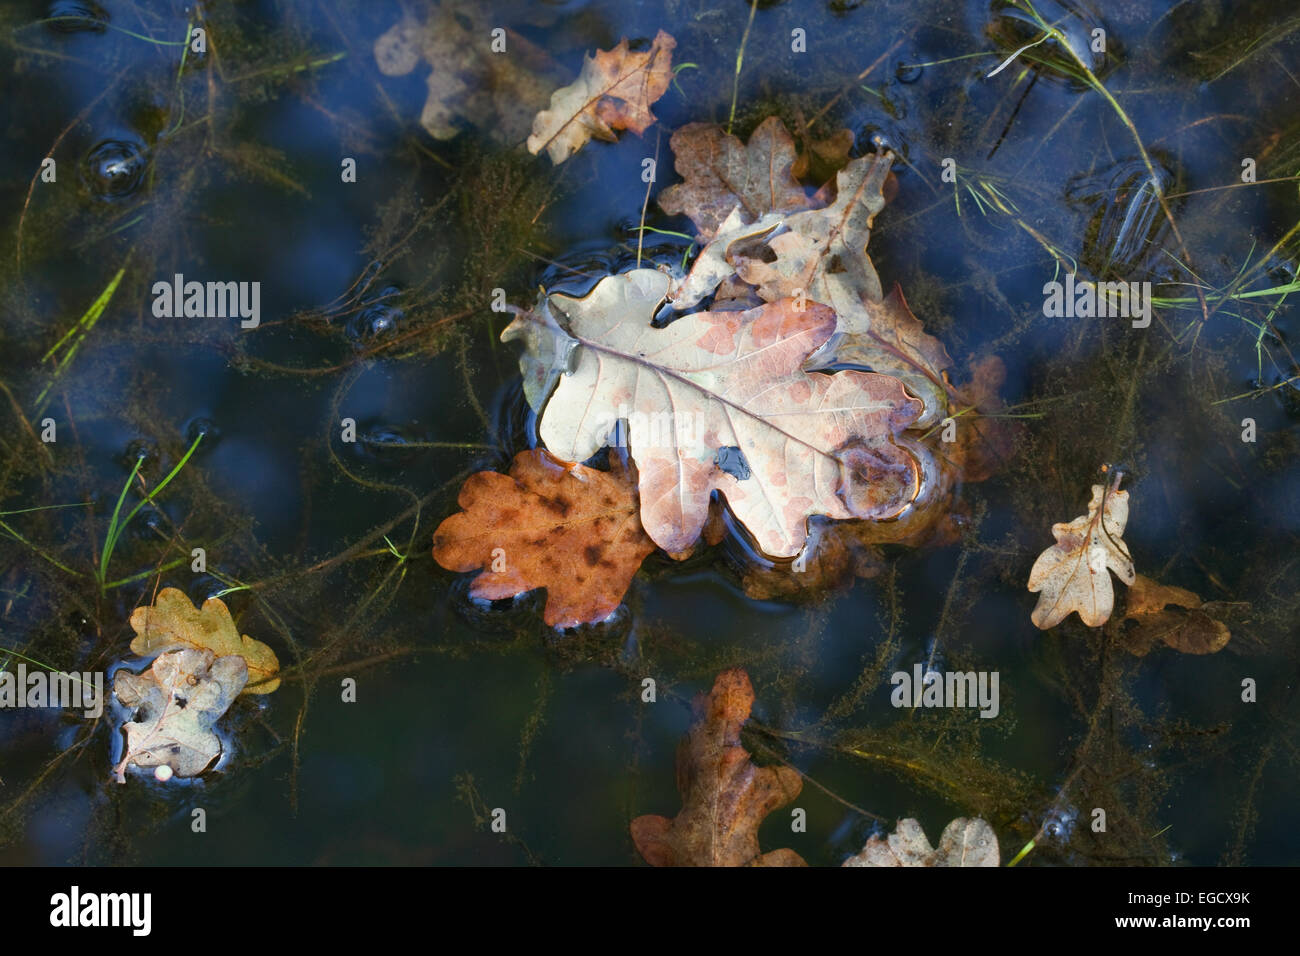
x,y
725,796
721,174
176,702
719,401
615,90
966,841
1072,574
470,83
173,622
1172,615
570,529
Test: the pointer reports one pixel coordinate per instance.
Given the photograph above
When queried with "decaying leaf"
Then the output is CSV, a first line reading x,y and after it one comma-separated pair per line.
x,y
570,529
174,622
719,401
615,90
721,174
724,795
468,81
176,702
886,337
1072,574
1173,615
986,436
820,159
966,841
823,251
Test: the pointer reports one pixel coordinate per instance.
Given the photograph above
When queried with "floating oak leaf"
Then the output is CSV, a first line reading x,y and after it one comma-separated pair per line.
x,y
468,81
173,622
823,251
176,702
719,401
570,529
721,174
1072,574
1173,615
966,841
725,796
714,265
884,336
614,91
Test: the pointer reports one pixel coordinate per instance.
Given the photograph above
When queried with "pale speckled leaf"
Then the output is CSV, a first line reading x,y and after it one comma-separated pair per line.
x,y
176,702
966,841
719,401
886,337
614,91
1071,575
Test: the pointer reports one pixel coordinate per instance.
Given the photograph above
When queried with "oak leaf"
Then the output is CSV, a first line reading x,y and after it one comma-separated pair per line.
x,y
966,841
570,529
823,251
176,702
468,82
719,401
173,622
725,796
1174,615
1072,574
886,337
721,174
615,90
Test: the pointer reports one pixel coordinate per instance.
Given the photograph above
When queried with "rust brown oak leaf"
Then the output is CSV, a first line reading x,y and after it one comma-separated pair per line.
x,y
568,528
721,174
615,90
966,841
1174,615
176,702
720,401
1072,574
725,796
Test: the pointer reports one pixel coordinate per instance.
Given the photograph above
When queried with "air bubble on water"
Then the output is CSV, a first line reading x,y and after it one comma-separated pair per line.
x,y
114,168
76,16
909,72
201,427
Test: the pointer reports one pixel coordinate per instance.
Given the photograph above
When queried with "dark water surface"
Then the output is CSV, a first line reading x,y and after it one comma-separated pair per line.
x,y
375,294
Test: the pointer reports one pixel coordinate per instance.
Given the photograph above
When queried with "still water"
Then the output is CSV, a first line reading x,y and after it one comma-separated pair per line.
x,y
131,156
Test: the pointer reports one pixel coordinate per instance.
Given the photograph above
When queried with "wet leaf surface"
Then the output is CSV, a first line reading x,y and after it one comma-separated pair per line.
x,y
1072,575
173,622
568,528
725,796
965,842
176,702
811,443
1172,615
614,91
